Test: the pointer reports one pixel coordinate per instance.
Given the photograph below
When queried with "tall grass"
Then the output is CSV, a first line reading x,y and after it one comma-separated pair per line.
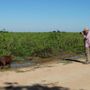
x,y
40,44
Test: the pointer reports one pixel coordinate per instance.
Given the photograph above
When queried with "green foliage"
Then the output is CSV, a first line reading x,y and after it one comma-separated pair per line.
x,y
40,44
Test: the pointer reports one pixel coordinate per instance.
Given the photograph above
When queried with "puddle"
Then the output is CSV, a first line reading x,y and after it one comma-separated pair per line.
x,y
21,64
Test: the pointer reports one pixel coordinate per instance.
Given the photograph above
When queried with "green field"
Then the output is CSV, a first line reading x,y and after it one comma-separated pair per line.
x,y
40,44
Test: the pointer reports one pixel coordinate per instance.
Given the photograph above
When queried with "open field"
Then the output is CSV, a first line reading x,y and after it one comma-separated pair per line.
x,y
40,44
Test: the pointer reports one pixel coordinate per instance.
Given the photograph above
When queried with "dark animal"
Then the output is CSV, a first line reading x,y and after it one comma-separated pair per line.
x,y
5,60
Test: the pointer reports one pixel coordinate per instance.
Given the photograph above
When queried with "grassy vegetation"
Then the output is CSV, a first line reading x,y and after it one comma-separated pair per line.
x,y
40,44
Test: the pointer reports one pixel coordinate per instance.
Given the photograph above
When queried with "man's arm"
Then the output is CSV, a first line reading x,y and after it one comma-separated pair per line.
x,y
85,37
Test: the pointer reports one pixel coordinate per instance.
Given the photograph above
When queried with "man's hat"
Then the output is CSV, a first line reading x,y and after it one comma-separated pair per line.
x,y
85,29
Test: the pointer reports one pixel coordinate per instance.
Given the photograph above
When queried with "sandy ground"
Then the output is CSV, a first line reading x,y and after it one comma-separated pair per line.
x,y
57,76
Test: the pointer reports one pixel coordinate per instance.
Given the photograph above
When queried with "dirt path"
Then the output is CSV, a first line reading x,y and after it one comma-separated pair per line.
x,y
75,76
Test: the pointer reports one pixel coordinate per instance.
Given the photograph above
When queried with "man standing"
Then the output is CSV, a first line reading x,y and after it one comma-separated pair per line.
x,y
86,35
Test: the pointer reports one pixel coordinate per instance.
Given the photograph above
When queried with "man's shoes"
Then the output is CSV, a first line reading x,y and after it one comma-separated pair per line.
x,y
87,62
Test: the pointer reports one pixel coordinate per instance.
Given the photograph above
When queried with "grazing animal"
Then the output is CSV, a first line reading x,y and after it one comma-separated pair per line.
x,y
5,60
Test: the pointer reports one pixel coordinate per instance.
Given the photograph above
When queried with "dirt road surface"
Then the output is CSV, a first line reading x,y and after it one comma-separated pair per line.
x,y
72,76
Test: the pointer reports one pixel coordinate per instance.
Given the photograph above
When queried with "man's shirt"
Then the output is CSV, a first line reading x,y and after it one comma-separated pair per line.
x,y
87,40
